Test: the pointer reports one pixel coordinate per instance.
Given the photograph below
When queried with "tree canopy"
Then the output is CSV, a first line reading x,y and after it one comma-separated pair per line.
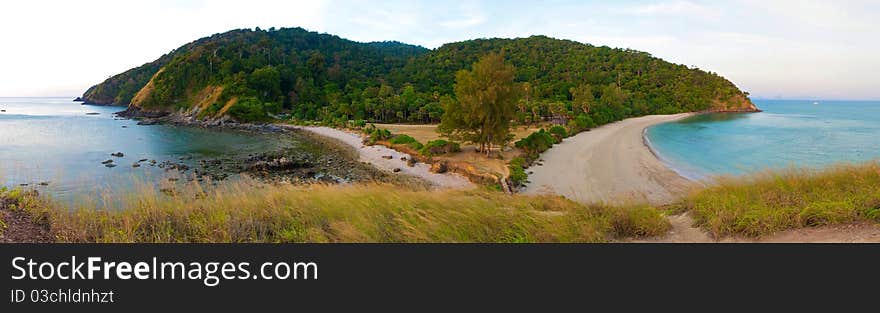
x,y
486,98
314,76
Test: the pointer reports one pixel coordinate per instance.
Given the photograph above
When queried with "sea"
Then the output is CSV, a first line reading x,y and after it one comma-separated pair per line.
x,y
57,146
787,134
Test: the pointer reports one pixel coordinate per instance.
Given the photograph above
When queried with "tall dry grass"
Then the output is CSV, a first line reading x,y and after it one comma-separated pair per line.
x,y
249,211
772,201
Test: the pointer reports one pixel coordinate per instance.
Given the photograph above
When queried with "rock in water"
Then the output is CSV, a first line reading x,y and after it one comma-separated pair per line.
x,y
117,154
396,170
388,157
136,165
107,162
411,162
111,165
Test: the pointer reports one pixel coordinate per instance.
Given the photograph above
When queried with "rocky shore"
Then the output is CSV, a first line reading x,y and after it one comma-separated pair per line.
x,y
315,159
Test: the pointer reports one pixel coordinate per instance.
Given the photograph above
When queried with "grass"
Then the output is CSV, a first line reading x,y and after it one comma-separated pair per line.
x,y
771,201
249,211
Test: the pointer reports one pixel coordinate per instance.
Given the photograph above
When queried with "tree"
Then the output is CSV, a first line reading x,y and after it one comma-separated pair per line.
x,y
582,98
485,103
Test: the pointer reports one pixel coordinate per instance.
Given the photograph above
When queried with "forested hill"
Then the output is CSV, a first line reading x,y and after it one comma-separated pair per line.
x,y
248,74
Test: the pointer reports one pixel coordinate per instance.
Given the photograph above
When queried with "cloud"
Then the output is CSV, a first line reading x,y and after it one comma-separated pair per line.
x,y
673,8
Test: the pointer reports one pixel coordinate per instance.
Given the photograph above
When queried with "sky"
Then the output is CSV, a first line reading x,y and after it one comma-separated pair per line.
x,y
798,49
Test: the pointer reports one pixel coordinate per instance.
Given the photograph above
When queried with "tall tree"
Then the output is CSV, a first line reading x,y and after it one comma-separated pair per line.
x,y
582,98
485,103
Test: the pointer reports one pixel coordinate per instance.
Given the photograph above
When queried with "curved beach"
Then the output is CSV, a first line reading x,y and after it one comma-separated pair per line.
x,y
375,154
610,164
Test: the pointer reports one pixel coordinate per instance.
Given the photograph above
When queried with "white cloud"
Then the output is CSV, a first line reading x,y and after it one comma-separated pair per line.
x,y
781,47
674,8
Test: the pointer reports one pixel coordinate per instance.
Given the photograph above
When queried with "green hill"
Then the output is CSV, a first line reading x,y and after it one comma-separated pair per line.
x,y
248,74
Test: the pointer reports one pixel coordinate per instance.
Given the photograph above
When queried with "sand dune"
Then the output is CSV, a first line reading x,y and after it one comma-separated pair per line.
x,y
609,164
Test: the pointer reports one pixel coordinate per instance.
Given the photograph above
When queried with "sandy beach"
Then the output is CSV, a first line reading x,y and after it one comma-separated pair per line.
x,y
609,164
374,156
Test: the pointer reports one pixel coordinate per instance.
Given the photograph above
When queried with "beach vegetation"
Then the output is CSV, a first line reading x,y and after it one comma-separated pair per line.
x,y
439,146
248,211
484,105
766,202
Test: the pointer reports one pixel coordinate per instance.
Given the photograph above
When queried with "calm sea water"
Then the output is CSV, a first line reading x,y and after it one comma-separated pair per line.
x,y
789,133
54,140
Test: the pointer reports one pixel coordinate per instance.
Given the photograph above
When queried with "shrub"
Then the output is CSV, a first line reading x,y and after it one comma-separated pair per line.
x,y
358,123
406,140
402,140
379,134
580,123
536,143
558,132
439,146
518,174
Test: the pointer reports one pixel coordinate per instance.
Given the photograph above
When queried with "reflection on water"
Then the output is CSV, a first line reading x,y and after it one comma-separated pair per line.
x,y
56,142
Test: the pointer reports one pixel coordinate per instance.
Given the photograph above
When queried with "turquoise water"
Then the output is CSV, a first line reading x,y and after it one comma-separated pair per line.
x,y
789,133
54,140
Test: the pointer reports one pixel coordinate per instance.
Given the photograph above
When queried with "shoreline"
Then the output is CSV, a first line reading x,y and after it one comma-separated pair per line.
x,y
692,176
610,164
376,156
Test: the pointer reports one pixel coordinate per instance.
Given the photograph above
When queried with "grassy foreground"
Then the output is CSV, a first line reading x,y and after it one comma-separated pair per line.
x,y
254,212
772,201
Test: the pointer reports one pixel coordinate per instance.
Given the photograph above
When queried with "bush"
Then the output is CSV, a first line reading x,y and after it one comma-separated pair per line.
x,y
536,143
580,123
518,174
402,140
439,146
558,132
406,140
379,134
358,123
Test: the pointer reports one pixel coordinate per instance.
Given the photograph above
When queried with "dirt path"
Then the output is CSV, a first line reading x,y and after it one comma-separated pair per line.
x,y
378,157
19,227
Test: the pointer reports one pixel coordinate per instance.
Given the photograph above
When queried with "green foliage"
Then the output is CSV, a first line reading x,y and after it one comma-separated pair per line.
x,y
484,106
767,202
580,123
518,174
252,110
536,143
323,77
377,134
558,132
439,146
406,140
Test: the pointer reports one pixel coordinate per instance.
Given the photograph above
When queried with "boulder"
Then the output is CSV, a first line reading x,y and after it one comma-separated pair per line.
x,y
439,167
107,162
396,170
411,162
117,154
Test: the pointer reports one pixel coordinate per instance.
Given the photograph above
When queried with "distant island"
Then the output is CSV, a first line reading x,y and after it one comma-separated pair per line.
x,y
251,75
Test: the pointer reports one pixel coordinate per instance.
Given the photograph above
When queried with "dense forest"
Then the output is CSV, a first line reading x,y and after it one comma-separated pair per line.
x,y
254,74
